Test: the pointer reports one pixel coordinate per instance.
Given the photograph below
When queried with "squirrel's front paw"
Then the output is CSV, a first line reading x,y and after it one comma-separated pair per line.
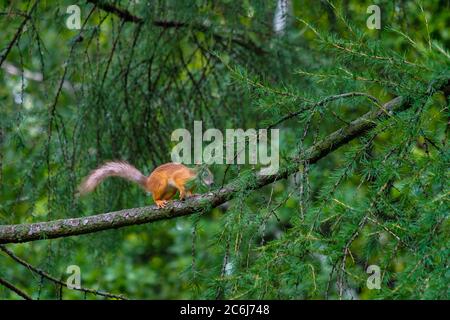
x,y
161,203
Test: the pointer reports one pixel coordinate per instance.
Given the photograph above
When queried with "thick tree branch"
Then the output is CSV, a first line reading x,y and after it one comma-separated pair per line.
x,y
113,220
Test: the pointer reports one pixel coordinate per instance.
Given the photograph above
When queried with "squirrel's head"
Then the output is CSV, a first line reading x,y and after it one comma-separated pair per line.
x,y
206,176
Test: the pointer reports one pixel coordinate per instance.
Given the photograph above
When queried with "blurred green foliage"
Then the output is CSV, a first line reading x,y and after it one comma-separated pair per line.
x,y
70,102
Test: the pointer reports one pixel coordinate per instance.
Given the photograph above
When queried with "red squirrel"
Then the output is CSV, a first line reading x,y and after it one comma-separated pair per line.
x,y
163,183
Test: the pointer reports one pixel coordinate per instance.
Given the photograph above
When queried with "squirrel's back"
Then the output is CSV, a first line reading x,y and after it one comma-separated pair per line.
x,y
171,174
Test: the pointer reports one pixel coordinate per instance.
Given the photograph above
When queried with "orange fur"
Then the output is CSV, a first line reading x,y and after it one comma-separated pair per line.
x,y
163,183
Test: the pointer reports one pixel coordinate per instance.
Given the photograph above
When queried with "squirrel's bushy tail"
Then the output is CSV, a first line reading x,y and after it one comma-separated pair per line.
x,y
112,169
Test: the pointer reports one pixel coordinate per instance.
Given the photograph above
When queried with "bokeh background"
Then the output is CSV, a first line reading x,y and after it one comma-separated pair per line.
x,y
118,87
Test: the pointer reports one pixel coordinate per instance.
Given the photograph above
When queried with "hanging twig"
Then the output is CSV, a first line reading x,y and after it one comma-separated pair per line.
x,y
55,280
13,288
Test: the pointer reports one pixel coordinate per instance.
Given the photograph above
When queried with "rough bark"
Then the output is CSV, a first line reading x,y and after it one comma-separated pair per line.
x,y
117,219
